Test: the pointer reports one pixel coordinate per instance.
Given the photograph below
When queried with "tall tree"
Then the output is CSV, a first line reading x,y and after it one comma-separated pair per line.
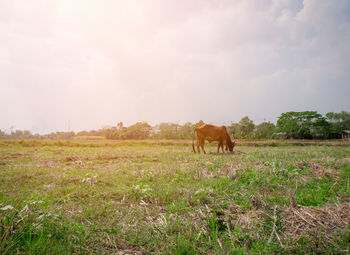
x,y
338,122
111,133
303,125
233,130
265,130
2,134
199,123
246,126
140,130
186,131
168,130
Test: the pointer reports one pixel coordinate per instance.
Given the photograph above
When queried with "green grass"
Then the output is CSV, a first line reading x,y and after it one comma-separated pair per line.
x,y
89,138
103,197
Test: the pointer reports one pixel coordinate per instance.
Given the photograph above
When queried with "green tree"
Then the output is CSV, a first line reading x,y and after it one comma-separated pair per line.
x,y
120,126
303,125
61,135
117,132
110,133
186,131
338,122
168,130
245,126
83,133
140,130
233,130
173,131
265,130
21,134
2,134
198,123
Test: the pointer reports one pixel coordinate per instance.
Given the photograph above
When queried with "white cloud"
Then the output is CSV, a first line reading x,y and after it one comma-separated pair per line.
x,y
99,63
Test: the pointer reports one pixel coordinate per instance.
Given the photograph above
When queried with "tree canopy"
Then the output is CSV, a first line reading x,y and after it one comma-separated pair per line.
x,y
297,125
265,130
338,122
303,125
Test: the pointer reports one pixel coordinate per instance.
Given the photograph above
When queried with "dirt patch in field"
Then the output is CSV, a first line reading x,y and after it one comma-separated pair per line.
x,y
16,155
117,157
303,220
72,158
75,159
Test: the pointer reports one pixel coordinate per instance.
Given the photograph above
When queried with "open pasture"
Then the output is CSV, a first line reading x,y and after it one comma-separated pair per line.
x,y
146,197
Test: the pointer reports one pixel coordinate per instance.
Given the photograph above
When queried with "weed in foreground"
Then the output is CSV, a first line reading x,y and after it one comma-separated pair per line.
x,y
30,230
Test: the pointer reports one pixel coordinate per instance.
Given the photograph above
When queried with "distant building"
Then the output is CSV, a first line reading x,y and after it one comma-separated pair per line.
x,y
345,134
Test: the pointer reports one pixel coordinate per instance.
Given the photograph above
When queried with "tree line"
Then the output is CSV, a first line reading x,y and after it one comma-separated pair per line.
x,y
290,125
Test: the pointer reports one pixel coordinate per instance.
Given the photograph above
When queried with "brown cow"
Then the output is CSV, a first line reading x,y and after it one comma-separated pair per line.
x,y
212,133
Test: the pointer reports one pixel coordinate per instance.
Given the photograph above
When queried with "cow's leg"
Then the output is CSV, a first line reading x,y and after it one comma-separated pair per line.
x,y
219,145
198,142
202,145
222,147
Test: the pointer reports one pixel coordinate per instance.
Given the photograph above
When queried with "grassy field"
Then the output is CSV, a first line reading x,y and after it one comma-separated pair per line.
x,y
158,197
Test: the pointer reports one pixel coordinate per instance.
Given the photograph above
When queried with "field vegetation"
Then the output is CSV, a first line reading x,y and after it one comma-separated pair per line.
x,y
291,125
158,197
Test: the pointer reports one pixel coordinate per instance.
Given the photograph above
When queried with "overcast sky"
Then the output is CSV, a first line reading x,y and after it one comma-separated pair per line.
x,y
96,63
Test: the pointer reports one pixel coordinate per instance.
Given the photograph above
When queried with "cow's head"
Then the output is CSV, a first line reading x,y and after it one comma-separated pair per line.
x,y
230,146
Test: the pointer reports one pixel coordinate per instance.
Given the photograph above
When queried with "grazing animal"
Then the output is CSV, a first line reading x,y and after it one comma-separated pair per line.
x,y
212,133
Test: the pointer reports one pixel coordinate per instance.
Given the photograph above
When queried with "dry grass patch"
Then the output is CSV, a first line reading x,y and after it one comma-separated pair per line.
x,y
50,186
17,155
73,210
47,164
345,160
118,157
231,169
11,157
116,246
319,171
303,220
76,160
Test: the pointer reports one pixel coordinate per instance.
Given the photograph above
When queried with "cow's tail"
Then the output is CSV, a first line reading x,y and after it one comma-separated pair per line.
x,y
194,137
